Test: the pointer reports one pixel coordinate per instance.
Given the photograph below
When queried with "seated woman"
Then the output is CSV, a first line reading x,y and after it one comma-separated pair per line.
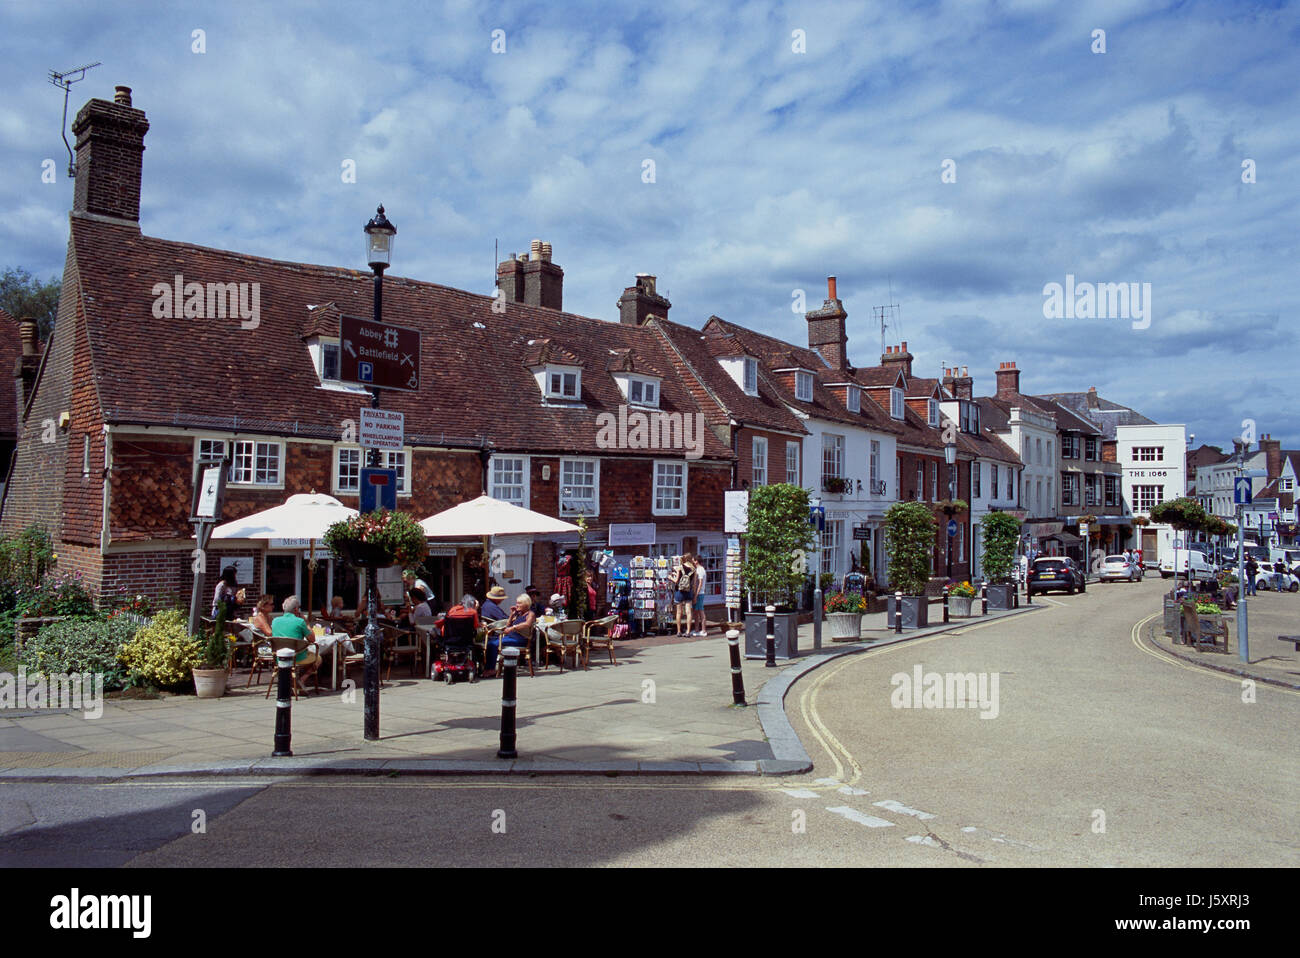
x,y
292,625
262,616
417,607
518,632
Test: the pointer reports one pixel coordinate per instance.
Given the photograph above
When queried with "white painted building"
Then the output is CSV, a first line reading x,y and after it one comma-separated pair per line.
x,y
1154,460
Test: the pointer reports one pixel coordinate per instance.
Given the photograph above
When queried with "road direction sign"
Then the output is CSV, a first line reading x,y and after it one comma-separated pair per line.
x,y
1241,492
379,355
817,517
378,489
382,428
952,528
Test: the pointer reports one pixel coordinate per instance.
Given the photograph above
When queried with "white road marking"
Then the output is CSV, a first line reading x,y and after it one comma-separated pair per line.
x,y
969,828
799,793
902,809
923,840
850,790
853,815
827,781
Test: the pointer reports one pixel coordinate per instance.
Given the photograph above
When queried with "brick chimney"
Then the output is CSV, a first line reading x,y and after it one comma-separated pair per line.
x,y
532,278
826,329
959,383
1008,377
1092,397
900,355
1272,450
29,361
110,151
640,302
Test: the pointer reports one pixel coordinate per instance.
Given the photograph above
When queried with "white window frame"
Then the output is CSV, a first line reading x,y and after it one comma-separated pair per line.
x,y
525,464
853,399
749,378
326,344
832,541
920,480
645,385
670,467
803,386
932,408
934,482
758,461
792,468
562,372
714,557
896,406
565,510
836,448
875,464
385,462
198,452
278,482
976,480
993,480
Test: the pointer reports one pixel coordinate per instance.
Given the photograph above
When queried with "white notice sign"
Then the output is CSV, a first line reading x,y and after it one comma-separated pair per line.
x,y
735,511
382,429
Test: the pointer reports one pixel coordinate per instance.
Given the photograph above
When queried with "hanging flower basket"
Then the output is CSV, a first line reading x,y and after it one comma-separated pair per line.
x,y
380,538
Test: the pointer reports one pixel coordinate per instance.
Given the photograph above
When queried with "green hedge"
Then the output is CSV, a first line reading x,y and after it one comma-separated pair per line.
x,y
80,645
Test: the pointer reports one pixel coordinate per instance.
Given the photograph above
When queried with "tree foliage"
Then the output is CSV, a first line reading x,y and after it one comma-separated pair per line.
x,y
1001,536
22,295
909,540
778,540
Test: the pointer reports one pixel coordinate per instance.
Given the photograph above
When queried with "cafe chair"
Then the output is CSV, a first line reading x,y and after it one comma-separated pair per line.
x,y
565,639
266,652
400,643
593,639
525,651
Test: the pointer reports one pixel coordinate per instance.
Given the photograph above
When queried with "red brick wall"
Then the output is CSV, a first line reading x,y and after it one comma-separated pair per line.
x,y
83,492
775,456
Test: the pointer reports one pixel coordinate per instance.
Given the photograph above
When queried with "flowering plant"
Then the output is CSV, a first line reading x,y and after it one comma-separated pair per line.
x,y
845,602
963,590
128,606
384,537
56,594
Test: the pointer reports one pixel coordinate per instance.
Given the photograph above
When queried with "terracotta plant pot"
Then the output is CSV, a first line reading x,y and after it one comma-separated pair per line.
x,y
210,683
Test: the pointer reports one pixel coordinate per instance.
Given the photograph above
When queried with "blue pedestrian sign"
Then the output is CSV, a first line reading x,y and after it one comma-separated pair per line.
x,y
1241,492
378,489
952,528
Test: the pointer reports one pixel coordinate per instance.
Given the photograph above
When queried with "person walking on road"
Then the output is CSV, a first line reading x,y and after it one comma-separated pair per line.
x,y
1252,570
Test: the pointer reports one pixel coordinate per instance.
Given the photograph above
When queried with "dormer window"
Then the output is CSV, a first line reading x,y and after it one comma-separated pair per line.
x,y
933,407
751,376
562,383
896,403
803,386
853,400
970,418
643,392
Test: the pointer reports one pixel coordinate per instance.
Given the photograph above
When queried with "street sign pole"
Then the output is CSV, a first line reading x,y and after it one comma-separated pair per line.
x,y
1243,627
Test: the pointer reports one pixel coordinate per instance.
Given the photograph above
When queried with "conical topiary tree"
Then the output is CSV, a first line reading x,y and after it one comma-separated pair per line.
x,y
909,540
1001,536
778,541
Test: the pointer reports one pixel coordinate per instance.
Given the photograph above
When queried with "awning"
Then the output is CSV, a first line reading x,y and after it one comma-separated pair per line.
x,y
1066,538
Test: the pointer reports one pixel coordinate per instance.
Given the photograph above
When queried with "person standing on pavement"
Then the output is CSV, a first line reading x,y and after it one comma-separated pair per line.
x,y
1252,570
683,582
697,599
1278,569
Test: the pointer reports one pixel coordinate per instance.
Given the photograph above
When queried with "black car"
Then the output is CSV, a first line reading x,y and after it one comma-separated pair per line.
x,y
1056,572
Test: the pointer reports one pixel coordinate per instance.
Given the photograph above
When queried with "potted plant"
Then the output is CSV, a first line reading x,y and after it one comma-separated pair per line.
x,y
959,599
844,611
213,668
379,538
1001,536
836,485
778,540
909,540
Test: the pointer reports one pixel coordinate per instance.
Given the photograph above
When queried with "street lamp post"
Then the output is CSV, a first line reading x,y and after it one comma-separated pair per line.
x,y
950,457
379,253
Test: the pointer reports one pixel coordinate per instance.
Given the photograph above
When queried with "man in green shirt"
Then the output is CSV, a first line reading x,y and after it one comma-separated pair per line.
x,y
292,625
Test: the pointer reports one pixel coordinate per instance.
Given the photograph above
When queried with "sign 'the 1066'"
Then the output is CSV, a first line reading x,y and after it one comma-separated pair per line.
x,y
378,355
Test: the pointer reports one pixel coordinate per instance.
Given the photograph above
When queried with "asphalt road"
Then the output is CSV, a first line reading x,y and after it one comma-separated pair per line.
x,y
1100,753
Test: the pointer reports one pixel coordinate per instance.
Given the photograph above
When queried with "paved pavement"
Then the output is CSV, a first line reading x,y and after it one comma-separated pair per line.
x,y
664,709
1269,614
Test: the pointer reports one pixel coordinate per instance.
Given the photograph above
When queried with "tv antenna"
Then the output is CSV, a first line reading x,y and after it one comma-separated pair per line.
x,y
64,81
888,311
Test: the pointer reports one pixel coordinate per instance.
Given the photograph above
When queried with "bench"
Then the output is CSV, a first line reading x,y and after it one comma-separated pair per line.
x,y
1293,639
1203,633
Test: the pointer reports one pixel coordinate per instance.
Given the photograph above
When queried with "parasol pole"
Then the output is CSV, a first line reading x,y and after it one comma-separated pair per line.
x,y
487,566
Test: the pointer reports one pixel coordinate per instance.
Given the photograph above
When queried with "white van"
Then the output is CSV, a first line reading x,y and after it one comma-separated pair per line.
x,y
1199,564
1290,556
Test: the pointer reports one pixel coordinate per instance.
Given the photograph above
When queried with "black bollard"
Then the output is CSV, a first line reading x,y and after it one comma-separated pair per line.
x,y
984,598
510,656
737,678
898,612
1029,596
283,703
771,637
1015,597
945,605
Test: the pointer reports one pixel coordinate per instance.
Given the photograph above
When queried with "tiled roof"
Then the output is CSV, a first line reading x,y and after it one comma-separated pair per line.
x,y
713,388
878,375
1066,418
916,386
474,382
777,354
10,349
1107,415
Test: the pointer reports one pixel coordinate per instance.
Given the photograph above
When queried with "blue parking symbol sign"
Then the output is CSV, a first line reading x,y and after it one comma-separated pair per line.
x,y
366,372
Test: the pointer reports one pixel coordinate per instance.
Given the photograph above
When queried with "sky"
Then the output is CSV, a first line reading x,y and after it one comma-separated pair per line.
x,y
954,159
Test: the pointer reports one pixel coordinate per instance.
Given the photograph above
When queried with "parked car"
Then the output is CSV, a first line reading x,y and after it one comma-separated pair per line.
x,y
1117,568
1290,581
1197,564
1056,572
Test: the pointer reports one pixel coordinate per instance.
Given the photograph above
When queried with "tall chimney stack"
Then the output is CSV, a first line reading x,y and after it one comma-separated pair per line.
x,y
959,383
900,356
826,329
532,278
639,302
1008,377
110,154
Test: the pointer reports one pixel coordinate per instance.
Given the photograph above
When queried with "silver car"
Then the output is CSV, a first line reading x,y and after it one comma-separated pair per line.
x,y
1116,567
